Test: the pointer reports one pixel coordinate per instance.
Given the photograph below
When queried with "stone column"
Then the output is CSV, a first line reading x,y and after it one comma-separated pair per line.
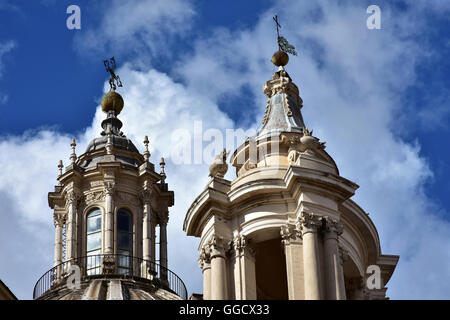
x,y
244,269
310,224
152,236
333,268
343,256
293,248
109,218
71,226
146,226
219,290
148,267
59,223
205,264
163,249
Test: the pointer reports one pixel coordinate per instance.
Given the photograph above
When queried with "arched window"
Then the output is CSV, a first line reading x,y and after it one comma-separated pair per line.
x,y
93,241
124,241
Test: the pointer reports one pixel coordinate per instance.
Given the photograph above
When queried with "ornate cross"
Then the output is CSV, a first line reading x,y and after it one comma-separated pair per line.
x,y
278,29
110,66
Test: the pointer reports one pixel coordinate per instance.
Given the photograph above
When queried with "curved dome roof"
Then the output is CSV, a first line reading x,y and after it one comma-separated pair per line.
x,y
130,157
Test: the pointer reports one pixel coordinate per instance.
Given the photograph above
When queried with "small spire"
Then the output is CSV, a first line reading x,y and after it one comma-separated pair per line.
x,y
146,152
60,167
73,156
162,173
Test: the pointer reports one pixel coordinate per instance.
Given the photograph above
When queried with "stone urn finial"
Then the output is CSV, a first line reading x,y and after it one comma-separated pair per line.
x,y
309,142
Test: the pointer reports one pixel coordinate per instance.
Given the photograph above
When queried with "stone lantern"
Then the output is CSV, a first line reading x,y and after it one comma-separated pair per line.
x,y
286,226
109,208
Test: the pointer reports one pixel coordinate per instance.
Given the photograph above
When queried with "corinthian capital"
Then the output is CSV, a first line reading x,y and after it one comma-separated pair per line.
x,y
289,234
205,256
310,222
58,219
109,187
217,246
145,195
240,244
333,227
73,198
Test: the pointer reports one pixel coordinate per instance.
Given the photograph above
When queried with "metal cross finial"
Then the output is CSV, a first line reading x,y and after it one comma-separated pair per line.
x,y
283,44
278,29
111,67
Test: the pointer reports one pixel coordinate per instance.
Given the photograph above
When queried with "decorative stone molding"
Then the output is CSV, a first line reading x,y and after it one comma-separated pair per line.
x,y
343,255
308,142
73,198
267,112
333,228
281,83
205,256
217,246
299,144
109,187
126,198
145,195
59,219
108,264
240,244
95,196
290,234
310,222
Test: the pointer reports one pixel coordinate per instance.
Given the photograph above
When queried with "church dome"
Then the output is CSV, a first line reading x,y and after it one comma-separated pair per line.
x,y
112,101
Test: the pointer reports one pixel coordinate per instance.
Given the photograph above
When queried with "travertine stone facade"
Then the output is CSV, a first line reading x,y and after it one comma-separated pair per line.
x,y
286,227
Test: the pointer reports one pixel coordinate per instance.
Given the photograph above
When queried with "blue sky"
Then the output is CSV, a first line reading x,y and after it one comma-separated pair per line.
x,y
379,98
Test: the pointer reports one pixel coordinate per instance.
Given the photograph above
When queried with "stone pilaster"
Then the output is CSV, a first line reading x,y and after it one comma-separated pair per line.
x,y
343,256
147,225
310,224
291,238
72,201
334,273
204,262
109,217
59,221
244,269
218,268
163,248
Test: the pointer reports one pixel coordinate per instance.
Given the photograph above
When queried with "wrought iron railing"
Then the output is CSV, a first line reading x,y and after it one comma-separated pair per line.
x,y
110,265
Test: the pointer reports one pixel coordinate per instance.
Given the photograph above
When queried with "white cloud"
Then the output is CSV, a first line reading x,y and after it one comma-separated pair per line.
x,y
5,47
135,25
349,78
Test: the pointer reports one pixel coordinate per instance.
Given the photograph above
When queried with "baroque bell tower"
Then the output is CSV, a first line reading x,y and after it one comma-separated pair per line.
x,y
108,206
286,226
